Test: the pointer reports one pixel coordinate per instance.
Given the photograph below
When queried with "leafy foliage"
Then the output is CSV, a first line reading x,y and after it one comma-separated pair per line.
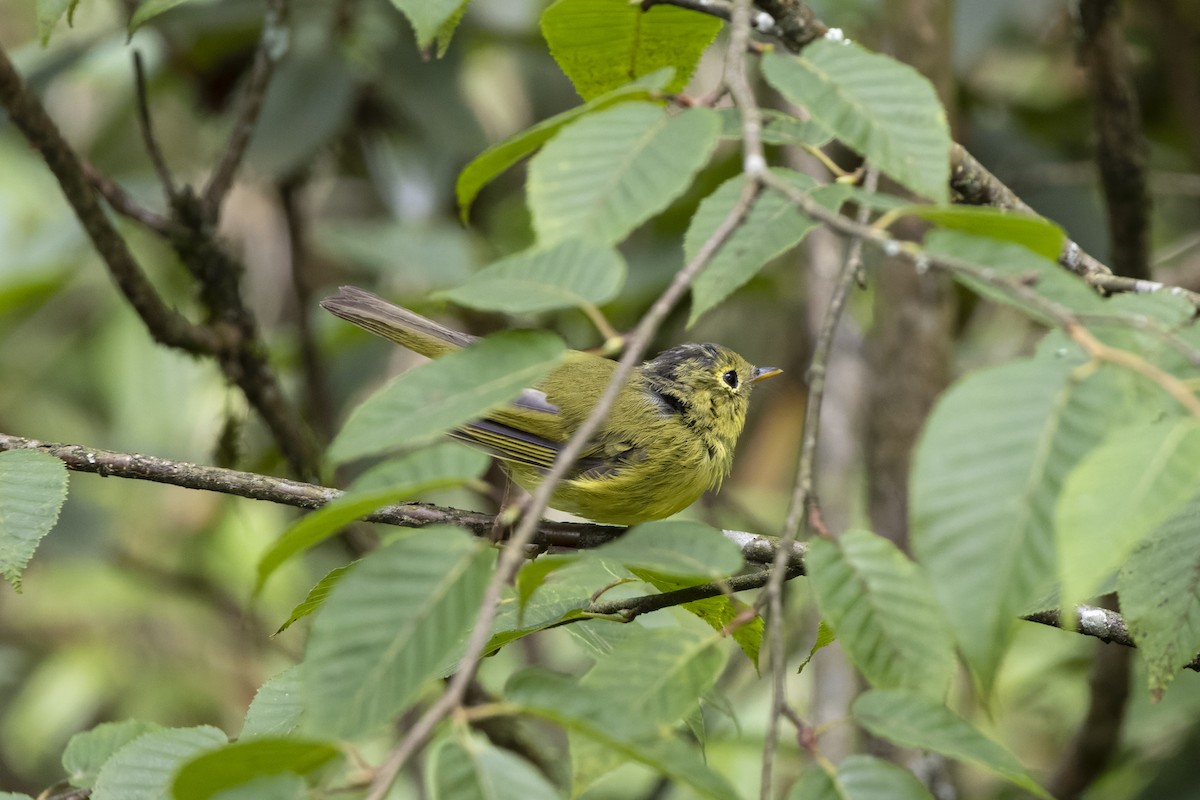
x,y
33,488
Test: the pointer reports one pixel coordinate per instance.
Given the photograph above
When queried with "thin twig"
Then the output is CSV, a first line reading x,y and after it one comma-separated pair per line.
x,y
122,202
272,45
165,324
152,148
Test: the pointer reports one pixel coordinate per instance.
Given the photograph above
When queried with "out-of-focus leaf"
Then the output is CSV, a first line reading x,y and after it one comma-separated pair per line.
x,y
86,752
986,479
316,596
885,110
883,610
241,762
475,769
570,274
772,227
502,155
49,12
146,11
270,787
1159,586
144,768
825,637
603,44
429,17
33,488
430,399
1118,494
912,719
605,174
389,626
859,778
276,707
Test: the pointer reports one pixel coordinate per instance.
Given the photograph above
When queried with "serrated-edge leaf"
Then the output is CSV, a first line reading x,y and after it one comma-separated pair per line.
x,y
675,668
316,596
87,751
428,17
600,45
1159,586
434,397
883,610
240,762
825,637
886,110
33,488
144,768
610,171
1118,494
559,700
771,227
389,626
570,274
497,158
440,466
986,478
913,719
719,613
778,128
276,707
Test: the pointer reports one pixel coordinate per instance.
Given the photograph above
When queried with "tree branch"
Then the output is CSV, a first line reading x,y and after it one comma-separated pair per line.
x,y
166,325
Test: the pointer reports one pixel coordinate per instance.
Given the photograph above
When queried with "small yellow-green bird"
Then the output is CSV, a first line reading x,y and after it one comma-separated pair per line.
x,y
668,439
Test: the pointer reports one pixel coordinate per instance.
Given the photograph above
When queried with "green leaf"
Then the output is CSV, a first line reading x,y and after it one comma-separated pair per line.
x,y
772,227
442,465
674,667
241,762
86,752
885,110
276,707
778,128
607,173
560,700
677,548
446,29
718,612
148,10
14,796
144,768
860,778
603,44
825,637
433,398
533,574
484,168
33,488
570,274
1034,233
883,610
474,769
1159,587
1016,263
914,720
270,787
1135,481
316,596
986,478
428,16
389,626
49,12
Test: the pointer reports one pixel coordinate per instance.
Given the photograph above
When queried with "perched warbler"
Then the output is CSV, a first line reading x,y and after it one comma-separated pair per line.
x,y
668,438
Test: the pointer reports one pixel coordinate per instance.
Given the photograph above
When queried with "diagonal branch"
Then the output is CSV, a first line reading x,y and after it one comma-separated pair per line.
x,y
166,325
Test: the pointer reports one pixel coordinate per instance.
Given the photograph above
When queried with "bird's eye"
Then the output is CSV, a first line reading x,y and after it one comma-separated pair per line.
x,y
731,379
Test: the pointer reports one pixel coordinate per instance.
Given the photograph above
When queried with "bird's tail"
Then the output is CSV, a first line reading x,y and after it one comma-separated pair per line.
x,y
373,313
